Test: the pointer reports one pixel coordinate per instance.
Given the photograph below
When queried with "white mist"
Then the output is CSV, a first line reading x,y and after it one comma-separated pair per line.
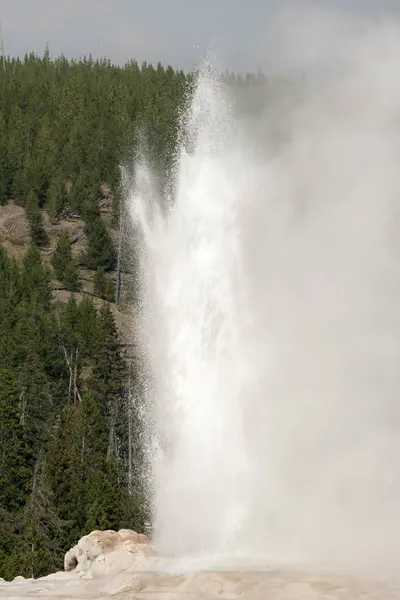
x,y
194,319
271,317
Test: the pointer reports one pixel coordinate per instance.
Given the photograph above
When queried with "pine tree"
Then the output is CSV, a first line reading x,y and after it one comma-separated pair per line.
x,y
110,372
35,400
71,280
5,175
38,552
108,383
104,507
65,268
65,468
103,285
100,251
36,226
44,157
100,282
56,195
88,328
36,278
16,458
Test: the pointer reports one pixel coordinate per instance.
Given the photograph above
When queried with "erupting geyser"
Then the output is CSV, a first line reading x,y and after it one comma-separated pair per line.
x,y
195,320
271,318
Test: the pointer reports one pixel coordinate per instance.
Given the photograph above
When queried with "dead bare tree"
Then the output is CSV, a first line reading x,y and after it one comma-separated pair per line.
x,y
130,441
22,406
118,274
73,373
112,437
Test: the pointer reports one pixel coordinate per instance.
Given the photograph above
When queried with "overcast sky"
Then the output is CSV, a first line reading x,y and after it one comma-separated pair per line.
x,y
173,31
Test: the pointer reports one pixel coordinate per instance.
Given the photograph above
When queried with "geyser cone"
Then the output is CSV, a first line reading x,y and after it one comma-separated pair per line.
x,y
271,316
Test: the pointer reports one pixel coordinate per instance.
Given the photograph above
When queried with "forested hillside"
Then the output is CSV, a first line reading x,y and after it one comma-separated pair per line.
x,y
69,447
63,421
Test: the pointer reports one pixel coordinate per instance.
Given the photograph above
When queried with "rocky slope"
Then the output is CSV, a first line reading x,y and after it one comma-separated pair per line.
x,y
14,237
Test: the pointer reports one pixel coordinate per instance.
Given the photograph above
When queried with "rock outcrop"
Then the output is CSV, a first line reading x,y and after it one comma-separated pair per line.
x,y
109,553
13,222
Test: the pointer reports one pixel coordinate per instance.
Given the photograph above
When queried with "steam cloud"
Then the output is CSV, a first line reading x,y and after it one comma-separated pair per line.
x,y
272,311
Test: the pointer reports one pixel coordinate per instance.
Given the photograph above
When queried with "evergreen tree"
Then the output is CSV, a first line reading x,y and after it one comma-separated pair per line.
x,y
15,455
100,282
104,509
103,286
65,268
110,371
65,461
38,550
36,278
35,400
57,196
36,226
100,252
71,275
4,174
88,328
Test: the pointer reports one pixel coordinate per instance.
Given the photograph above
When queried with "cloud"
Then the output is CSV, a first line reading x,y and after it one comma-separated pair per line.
x,y
96,27
177,32
320,37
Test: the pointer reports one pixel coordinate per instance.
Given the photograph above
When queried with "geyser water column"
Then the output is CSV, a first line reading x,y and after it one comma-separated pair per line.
x,y
194,311
271,320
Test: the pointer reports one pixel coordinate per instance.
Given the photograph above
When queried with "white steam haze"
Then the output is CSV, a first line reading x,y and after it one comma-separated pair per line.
x,y
271,312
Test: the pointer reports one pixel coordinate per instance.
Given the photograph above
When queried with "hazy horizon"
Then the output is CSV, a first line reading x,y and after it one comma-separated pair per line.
x,y
178,32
